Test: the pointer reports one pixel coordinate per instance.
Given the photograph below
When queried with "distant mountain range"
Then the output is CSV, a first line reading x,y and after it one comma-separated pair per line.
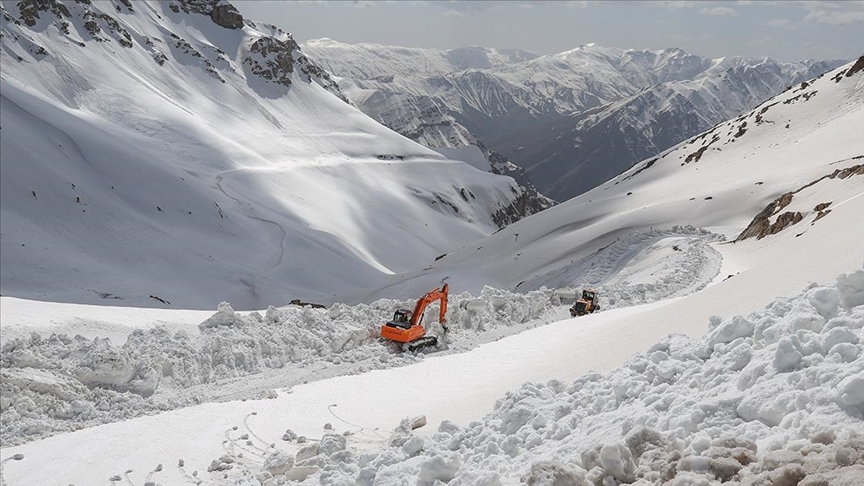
x,y
572,120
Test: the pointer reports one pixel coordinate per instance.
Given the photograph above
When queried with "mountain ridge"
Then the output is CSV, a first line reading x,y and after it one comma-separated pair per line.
x,y
508,107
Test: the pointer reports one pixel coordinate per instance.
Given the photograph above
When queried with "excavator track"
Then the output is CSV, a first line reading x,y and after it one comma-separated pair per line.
x,y
418,344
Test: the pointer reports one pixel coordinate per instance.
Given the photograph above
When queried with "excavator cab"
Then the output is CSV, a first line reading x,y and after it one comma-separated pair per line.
x,y
406,327
401,318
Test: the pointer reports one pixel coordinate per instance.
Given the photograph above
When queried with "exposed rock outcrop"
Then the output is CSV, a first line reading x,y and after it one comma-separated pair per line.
x,y
524,205
222,13
275,60
227,16
761,226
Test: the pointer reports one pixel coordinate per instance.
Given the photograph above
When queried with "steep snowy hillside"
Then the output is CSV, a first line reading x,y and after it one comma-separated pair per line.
x,y
573,120
719,180
176,154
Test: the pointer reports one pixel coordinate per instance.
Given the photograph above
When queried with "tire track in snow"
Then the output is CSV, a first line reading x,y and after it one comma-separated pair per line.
x,y
640,267
281,235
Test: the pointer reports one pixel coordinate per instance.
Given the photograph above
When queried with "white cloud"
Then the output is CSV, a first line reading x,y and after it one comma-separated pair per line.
x,y
779,23
455,14
837,13
686,38
672,5
719,12
365,4
762,41
836,17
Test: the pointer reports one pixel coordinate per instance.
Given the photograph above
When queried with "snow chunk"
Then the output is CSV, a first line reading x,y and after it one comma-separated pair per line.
x,y
413,446
851,390
825,300
617,462
838,335
278,463
729,330
788,354
548,473
438,468
851,288
224,316
847,352
332,443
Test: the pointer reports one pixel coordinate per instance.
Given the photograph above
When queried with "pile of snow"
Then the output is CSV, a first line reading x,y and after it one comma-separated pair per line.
x,y
59,383
773,397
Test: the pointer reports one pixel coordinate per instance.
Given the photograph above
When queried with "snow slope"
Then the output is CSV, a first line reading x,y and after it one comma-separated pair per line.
x,y
152,156
719,181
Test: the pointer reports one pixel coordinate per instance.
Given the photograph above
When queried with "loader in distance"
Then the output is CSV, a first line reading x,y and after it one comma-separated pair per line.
x,y
586,304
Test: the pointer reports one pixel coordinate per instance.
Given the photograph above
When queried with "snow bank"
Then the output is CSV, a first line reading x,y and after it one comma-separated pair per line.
x,y
774,397
59,383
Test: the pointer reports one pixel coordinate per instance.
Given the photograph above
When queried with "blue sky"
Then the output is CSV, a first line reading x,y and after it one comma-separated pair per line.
x,y
786,31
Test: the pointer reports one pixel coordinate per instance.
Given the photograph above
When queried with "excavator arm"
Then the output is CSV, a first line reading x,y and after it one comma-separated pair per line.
x,y
437,294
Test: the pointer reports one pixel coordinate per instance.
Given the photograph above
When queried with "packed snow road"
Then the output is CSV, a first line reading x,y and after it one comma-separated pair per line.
x,y
460,387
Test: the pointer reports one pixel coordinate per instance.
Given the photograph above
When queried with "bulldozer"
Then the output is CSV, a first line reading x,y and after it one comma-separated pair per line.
x,y
587,304
406,327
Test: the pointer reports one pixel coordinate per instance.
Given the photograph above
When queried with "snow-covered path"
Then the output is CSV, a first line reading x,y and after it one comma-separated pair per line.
x,y
458,387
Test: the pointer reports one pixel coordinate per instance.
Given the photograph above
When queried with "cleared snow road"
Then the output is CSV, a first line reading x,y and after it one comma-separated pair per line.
x,y
459,387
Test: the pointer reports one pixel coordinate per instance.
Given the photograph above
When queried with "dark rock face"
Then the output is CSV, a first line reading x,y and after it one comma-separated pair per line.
x,y
858,66
524,205
30,9
277,60
203,7
225,15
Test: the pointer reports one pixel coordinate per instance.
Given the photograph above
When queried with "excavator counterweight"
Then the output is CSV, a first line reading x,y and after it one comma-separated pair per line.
x,y
406,326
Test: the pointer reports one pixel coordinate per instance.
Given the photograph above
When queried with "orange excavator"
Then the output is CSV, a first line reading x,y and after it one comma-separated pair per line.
x,y
406,326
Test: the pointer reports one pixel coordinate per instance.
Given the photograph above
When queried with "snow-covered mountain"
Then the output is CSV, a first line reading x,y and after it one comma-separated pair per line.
x,y
572,120
754,375
174,153
719,180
